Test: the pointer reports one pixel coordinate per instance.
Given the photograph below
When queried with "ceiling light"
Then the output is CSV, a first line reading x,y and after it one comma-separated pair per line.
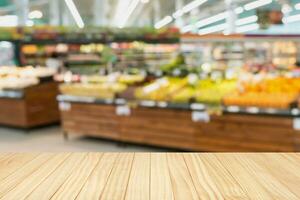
x,y
247,28
35,14
187,8
120,11
144,1
286,8
212,19
132,6
257,4
75,13
239,22
239,10
178,14
291,19
246,20
166,20
187,28
297,6
194,4
213,29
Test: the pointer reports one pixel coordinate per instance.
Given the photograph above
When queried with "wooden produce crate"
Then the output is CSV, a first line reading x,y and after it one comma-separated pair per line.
x,y
35,106
176,128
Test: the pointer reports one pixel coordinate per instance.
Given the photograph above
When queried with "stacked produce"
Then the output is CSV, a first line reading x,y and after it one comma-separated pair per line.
x,y
115,77
183,90
164,89
12,82
103,87
29,71
278,92
212,92
99,90
22,77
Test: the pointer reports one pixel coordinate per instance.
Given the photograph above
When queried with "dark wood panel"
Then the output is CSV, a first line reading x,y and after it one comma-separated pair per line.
x,y
12,112
175,128
38,107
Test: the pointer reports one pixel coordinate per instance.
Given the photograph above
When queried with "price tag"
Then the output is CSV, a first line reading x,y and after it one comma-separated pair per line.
x,y
64,106
123,110
296,124
252,110
120,101
198,116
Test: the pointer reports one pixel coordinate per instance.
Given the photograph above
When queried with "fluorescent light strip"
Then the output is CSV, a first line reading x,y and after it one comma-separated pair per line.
x,y
193,5
213,29
247,28
212,19
246,20
291,19
257,4
187,28
239,10
132,6
187,8
166,20
75,13
119,13
222,27
178,14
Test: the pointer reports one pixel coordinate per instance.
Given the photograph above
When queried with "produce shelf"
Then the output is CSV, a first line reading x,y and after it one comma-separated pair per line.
x,y
120,101
187,129
31,107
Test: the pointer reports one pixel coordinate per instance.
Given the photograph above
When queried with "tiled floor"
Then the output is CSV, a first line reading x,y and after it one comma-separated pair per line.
x,y
50,140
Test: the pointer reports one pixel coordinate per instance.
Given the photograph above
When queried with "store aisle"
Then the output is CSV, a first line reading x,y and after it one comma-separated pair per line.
x,y
50,140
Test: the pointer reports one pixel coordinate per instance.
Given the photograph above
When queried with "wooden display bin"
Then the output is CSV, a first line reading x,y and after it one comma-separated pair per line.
x,y
174,128
34,106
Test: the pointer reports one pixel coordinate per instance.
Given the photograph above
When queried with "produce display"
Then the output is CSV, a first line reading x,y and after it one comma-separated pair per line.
x,y
22,77
163,89
99,90
115,77
103,87
212,92
12,82
278,92
185,90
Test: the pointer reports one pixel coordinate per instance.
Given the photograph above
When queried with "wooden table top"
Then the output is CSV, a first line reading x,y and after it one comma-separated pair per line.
x,y
149,176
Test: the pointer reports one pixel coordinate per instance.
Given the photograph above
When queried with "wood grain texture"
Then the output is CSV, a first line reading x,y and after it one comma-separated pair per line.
x,y
38,107
151,176
175,129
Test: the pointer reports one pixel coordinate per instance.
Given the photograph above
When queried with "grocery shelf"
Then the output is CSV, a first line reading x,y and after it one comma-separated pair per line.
x,y
142,103
292,112
181,129
30,107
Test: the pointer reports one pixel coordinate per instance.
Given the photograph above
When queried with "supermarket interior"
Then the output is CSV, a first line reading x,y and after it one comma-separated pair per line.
x,y
150,75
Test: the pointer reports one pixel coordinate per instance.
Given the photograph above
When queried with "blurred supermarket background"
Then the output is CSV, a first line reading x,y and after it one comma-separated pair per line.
x,y
150,75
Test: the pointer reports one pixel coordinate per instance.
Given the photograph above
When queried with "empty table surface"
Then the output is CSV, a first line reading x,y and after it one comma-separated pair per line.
x,y
142,176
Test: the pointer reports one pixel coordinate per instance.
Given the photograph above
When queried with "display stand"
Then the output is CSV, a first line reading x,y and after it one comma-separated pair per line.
x,y
187,129
32,107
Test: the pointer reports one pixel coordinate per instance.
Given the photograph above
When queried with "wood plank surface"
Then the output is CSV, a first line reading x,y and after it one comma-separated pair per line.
x,y
150,176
